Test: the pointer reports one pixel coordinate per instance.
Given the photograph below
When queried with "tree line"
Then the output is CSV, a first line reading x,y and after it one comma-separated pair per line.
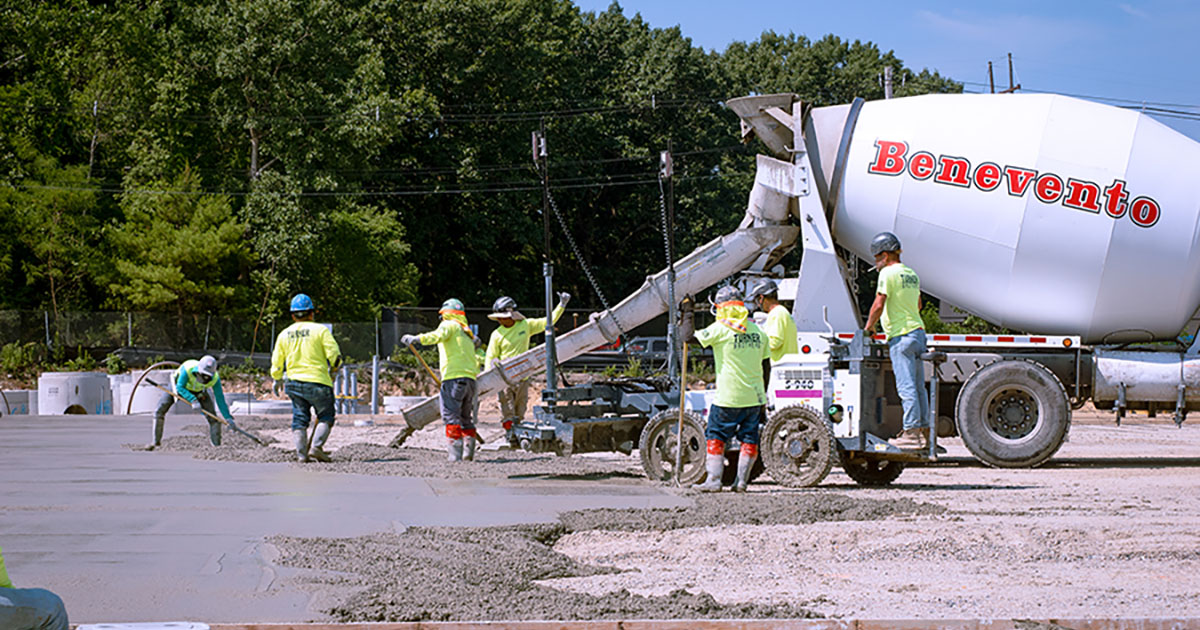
x,y
186,156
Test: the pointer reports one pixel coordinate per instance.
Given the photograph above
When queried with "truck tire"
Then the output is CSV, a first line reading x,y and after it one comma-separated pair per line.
x,y
658,443
797,447
870,471
1013,414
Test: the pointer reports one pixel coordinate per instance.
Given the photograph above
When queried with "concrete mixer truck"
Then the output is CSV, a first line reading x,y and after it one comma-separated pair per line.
x,y
1072,221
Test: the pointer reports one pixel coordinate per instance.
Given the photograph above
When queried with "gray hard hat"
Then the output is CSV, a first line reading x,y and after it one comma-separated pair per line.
x,y
884,242
207,366
505,308
728,293
766,286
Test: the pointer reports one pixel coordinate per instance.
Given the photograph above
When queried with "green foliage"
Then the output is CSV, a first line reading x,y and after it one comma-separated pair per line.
x,y
198,157
971,325
114,364
83,362
21,360
175,252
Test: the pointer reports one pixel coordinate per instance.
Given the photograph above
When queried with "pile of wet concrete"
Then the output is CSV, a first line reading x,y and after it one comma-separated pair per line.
x,y
492,573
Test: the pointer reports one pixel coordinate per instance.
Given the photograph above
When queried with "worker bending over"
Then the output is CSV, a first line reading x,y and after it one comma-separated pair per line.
x,y
458,366
29,608
739,348
197,382
509,340
305,354
898,302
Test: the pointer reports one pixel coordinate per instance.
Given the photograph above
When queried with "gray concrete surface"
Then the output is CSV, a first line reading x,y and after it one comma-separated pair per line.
x,y
128,536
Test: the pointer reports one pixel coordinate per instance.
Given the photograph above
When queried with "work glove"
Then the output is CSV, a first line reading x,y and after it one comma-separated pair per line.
x,y
196,405
277,387
478,342
563,298
409,340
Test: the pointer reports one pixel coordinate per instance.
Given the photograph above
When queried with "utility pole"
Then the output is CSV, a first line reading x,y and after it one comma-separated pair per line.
x,y
1011,87
666,174
887,82
541,159
991,79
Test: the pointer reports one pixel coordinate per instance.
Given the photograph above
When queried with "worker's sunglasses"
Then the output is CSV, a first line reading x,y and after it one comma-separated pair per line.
x,y
203,378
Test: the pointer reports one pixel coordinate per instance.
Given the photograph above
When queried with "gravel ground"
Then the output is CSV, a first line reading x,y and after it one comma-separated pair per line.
x,y
1109,528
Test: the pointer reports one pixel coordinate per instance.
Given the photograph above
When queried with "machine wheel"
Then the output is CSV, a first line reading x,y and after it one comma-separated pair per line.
x,y
1013,414
797,447
659,441
731,461
870,471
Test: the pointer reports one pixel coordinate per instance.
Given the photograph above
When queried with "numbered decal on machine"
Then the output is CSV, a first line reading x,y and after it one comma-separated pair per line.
x,y
799,384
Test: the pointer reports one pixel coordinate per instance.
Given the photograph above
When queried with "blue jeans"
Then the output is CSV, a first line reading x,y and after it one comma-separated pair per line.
x,y
305,396
906,351
31,609
726,422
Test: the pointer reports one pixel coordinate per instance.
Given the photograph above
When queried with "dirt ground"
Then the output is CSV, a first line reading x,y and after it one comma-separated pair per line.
x,y
1109,528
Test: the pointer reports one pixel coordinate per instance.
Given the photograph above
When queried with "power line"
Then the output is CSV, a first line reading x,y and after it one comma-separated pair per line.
x,y
363,193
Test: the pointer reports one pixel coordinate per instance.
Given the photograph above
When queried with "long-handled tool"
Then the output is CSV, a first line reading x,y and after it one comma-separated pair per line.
x,y
682,400
438,380
210,414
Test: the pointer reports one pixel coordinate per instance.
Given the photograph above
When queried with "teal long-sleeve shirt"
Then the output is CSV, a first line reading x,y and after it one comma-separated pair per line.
x,y
181,388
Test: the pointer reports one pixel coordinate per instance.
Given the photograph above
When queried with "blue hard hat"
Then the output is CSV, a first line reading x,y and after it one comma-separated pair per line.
x,y
301,303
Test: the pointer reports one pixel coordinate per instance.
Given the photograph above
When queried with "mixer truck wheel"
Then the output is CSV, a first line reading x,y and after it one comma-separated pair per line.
x,y
869,471
1013,414
797,447
660,441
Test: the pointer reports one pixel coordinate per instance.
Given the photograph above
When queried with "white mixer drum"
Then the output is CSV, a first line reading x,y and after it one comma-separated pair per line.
x,y
1041,213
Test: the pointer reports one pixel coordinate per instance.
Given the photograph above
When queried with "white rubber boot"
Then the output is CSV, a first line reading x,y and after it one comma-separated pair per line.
x,y
317,452
301,438
715,465
469,448
454,449
746,459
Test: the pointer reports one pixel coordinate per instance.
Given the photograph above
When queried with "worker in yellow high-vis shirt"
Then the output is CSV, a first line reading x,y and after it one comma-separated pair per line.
x,y
509,340
780,327
897,306
739,349
459,366
307,352
29,608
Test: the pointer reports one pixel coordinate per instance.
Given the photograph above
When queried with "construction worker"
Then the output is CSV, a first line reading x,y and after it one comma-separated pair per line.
x,y
305,354
509,340
29,608
197,382
780,327
458,366
739,348
898,304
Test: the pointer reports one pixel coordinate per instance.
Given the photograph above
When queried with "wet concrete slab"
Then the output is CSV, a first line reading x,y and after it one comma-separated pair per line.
x,y
135,536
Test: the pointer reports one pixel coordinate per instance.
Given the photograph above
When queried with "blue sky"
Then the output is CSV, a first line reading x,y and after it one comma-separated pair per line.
x,y
1143,53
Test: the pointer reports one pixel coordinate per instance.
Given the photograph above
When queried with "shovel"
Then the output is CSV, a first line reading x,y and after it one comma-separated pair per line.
x,y
210,415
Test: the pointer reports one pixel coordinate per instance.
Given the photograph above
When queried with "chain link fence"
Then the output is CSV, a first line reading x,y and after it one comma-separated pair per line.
x,y
138,337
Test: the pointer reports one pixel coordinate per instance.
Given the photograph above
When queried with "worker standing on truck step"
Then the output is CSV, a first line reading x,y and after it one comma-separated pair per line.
x,y
508,341
739,348
304,356
780,327
458,366
29,608
197,382
898,302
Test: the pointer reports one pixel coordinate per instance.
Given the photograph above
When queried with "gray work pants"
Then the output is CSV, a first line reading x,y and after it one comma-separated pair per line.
x,y
206,403
31,609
